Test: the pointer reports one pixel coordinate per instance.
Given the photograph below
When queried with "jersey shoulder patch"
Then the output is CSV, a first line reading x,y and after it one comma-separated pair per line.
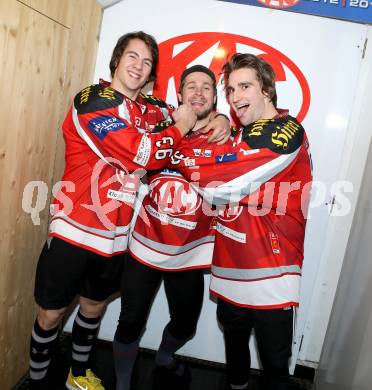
x,y
282,135
151,99
97,97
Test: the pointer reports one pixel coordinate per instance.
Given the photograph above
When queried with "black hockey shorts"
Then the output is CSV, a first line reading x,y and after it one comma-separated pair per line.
x,y
65,270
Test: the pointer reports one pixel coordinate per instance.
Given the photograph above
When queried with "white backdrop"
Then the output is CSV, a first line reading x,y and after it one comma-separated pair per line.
x,y
328,52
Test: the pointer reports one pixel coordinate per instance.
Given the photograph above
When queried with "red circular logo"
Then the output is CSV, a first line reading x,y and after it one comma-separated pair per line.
x,y
229,213
174,196
279,3
177,53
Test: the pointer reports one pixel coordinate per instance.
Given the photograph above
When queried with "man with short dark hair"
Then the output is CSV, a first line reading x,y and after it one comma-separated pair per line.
x,y
172,240
262,195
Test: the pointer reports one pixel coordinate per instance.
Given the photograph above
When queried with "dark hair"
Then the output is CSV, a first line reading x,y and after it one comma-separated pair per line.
x,y
122,44
197,68
203,69
264,72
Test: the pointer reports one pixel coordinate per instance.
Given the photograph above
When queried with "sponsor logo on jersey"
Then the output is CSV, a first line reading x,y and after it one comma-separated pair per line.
x,y
84,95
284,134
143,152
126,197
202,152
102,125
224,158
107,93
190,162
257,128
168,220
174,196
274,241
95,98
232,234
229,213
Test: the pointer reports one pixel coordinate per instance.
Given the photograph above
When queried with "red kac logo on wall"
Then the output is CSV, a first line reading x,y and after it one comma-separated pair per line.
x,y
196,44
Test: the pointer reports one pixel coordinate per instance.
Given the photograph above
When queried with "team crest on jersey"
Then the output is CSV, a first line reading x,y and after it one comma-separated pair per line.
x,y
274,241
229,213
102,125
174,196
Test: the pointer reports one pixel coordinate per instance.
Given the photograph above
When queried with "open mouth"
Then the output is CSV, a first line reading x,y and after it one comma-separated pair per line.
x,y
134,75
197,103
240,110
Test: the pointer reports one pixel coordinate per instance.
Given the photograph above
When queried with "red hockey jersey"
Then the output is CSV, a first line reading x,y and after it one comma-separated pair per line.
x,y
261,189
110,140
174,229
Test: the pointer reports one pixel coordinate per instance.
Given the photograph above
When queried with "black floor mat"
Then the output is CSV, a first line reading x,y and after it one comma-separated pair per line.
x,y
205,375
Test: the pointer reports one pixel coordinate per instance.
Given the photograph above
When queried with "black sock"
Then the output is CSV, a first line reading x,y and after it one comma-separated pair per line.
x,y
168,346
41,345
238,358
84,332
124,358
239,387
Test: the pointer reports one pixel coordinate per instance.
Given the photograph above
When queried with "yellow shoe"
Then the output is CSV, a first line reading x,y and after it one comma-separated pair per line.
x,y
88,382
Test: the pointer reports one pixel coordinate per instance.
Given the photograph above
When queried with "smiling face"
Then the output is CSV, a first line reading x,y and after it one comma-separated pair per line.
x,y
246,97
133,70
198,90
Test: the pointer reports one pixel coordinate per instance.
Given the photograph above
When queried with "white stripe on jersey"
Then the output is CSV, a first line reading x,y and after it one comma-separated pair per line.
x,y
119,230
85,137
165,218
236,189
200,256
105,245
168,249
230,233
258,293
250,274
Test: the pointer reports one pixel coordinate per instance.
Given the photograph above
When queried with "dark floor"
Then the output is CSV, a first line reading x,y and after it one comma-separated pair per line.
x,y
205,375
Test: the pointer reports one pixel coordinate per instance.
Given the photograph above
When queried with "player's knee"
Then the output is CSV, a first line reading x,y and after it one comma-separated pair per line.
x,y
49,319
90,308
182,330
127,332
